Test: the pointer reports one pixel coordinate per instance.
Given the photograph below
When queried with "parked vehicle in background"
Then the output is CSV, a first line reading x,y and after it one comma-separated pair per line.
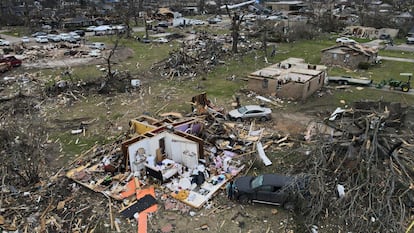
x,y
25,39
75,35
36,34
4,42
90,28
345,40
161,40
12,60
53,38
65,36
397,84
71,40
41,39
410,40
163,24
144,40
4,66
214,20
97,45
385,37
80,32
250,111
95,53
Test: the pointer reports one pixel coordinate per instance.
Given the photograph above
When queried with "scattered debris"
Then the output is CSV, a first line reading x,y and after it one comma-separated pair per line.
x,y
367,159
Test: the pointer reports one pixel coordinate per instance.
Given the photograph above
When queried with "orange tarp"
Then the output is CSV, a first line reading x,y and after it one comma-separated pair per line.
x,y
133,187
142,218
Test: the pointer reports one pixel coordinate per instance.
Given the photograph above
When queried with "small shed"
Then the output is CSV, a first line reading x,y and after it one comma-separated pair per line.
x,y
290,79
348,55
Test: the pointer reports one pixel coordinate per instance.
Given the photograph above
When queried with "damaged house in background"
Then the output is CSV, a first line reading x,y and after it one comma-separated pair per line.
x,y
349,55
290,79
370,32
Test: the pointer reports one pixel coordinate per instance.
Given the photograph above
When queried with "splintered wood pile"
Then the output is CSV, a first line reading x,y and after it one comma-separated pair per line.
x,y
362,174
193,57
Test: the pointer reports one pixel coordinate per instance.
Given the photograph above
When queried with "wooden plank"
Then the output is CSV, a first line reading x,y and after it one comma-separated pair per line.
x,y
262,154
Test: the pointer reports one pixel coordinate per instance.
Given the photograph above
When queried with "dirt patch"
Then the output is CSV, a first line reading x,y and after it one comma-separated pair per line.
x,y
71,61
291,123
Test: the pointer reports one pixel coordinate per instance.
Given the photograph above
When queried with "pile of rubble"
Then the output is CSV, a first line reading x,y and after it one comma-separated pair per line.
x,y
198,56
362,168
135,176
357,160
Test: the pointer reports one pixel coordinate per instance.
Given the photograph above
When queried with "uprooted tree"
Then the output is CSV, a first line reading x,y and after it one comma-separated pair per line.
x,y
362,172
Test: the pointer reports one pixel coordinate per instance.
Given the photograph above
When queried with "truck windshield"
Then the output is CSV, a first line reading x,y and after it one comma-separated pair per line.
x,y
257,182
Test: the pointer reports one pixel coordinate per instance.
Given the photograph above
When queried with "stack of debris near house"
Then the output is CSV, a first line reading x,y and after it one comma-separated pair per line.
x,y
362,168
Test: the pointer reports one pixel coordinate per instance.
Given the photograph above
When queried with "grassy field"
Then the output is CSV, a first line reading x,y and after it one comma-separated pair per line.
x,y
216,81
390,53
221,83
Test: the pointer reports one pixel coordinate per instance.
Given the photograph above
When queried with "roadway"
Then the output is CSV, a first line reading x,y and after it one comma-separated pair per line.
x,y
400,59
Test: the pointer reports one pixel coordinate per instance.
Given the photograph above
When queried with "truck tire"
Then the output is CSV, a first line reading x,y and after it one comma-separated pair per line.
x,y
243,199
405,88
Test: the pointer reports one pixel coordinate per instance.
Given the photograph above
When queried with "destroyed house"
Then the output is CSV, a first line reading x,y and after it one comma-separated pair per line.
x,y
370,32
348,55
290,79
167,151
163,155
162,140
284,5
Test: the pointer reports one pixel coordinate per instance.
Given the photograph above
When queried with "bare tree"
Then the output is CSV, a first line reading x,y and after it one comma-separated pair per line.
x,y
201,6
110,75
264,28
125,12
323,17
236,20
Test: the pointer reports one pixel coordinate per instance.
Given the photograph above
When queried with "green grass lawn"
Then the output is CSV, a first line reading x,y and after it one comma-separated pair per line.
x,y
390,53
17,31
221,83
216,81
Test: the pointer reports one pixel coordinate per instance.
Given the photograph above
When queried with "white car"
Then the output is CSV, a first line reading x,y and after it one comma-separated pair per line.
x,y
41,39
95,53
25,39
97,45
53,38
75,35
90,28
65,36
160,40
250,111
345,40
4,42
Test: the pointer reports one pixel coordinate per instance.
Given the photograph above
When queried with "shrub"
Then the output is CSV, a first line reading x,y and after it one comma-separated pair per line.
x,y
364,65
